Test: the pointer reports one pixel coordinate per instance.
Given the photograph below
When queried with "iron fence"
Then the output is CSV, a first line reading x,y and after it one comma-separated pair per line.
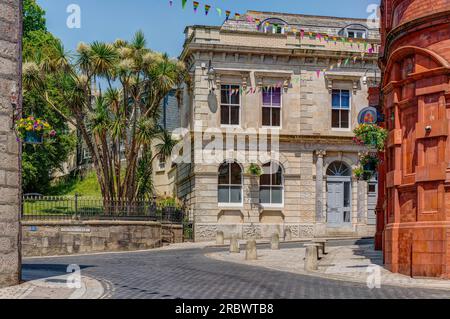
x,y
90,208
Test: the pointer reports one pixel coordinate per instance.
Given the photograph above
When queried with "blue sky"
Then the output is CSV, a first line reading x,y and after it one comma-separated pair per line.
x,y
107,20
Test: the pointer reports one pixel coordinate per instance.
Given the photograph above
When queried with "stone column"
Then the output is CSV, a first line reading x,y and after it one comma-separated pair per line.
x,y
320,217
361,201
10,100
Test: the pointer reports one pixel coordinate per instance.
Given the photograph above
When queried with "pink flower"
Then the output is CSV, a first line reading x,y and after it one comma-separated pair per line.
x,y
52,133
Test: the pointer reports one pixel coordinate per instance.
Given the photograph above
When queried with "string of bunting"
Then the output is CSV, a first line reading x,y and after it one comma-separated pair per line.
x,y
280,84
297,31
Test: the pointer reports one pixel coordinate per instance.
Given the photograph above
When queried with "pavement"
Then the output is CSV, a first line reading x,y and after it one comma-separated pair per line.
x,y
187,271
350,263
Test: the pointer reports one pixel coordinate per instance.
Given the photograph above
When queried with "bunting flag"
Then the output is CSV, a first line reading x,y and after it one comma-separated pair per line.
x,y
227,14
354,59
183,3
302,33
237,16
219,12
207,8
196,4
346,61
170,3
250,19
318,73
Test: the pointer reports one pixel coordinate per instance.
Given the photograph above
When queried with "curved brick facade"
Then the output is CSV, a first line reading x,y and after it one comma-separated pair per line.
x,y
416,101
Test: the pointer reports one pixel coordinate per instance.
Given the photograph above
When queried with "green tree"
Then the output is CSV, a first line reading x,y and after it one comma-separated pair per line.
x,y
40,161
33,17
119,124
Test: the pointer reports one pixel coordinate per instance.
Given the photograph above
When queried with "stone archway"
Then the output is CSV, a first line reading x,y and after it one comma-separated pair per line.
x,y
10,100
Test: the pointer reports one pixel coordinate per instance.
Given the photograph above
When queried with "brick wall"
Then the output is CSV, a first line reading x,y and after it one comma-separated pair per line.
x,y
9,149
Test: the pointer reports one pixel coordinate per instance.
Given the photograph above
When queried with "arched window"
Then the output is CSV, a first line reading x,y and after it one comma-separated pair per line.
x,y
274,25
271,184
355,31
339,169
230,183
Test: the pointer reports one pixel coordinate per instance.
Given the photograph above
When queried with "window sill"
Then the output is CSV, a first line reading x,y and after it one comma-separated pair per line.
x,y
272,206
230,205
341,129
229,126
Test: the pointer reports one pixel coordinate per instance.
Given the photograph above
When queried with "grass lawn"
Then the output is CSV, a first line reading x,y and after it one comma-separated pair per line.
x,y
87,186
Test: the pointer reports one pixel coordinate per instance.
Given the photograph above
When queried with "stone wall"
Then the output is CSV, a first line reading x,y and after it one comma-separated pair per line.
x,y
10,66
64,238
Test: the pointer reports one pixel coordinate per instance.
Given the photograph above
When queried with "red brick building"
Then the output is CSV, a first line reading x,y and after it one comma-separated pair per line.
x,y
415,96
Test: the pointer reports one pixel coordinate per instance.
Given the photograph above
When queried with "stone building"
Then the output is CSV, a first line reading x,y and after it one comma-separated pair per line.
x,y
164,171
10,92
304,80
415,95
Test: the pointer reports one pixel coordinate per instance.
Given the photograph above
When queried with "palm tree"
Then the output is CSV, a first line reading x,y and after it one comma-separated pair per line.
x,y
119,125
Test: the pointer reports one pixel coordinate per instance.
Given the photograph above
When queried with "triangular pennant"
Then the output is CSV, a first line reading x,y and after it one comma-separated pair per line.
x,y
207,8
195,4
237,16
183,3
227,14
219,12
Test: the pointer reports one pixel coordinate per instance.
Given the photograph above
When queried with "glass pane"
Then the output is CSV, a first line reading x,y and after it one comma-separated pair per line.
x,y
264,195
236,178
276,116
276,97
266,96
234,115
335,119
235,98
336,98
277,195
225,95
345,99
266,116
264,180
224,115
347,191
277,179
224,177
235,194
345,119
224,194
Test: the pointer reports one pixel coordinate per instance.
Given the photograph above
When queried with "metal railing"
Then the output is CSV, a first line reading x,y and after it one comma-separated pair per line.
x,y
92,208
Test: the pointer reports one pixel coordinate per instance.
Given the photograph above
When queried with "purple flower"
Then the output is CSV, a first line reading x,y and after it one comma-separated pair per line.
x,y
53,133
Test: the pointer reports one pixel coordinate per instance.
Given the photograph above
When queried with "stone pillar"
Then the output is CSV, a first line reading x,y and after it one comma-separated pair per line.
x,y
275,242
361,202
10,100
235,248
250,250
220,238
320,217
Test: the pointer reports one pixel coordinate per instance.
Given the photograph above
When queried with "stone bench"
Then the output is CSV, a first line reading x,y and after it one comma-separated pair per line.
x,y
322,243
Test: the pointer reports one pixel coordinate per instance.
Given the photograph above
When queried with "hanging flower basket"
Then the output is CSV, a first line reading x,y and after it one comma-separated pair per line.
x,y
255,170
32,130
371,135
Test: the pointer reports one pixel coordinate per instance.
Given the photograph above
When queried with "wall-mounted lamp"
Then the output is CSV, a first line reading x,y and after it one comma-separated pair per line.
x,y
364,79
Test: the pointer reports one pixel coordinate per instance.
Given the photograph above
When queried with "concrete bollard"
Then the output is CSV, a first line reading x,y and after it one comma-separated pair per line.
x,y
250,250
220,238
275,242
322,243
234,245
311,261
287,234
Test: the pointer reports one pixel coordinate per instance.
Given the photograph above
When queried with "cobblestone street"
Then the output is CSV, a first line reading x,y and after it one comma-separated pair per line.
x,y
189,274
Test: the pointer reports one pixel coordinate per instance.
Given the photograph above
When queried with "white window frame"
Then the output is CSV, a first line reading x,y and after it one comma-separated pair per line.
x,y
229,204
271,106
272,205
161,164
350,124
356,31
229,113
